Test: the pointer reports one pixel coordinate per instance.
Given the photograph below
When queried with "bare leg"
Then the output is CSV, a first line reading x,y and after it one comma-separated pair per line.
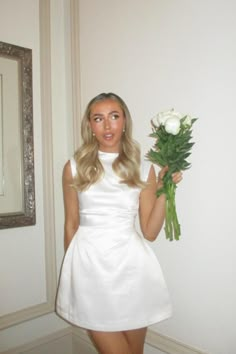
x,y
136,339
110,342
126,342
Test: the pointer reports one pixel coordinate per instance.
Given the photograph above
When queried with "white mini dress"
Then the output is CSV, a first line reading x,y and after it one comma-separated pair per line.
x,y
111,279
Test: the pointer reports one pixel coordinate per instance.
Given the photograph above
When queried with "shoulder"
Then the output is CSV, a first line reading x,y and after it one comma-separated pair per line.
x,y
145,168
69,170
66,174
72,166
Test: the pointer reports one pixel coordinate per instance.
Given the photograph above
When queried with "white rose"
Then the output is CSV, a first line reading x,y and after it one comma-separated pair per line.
x,y
172,125
163,116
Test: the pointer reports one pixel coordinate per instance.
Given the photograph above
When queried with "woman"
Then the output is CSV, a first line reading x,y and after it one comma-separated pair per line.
x,y
111,282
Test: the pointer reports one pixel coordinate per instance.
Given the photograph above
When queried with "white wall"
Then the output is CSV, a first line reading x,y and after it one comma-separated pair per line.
x,y
22,250
156,55
32,260
163,54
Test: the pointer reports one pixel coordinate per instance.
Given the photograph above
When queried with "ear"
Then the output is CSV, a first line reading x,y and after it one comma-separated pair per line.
x,y
124,126
89,126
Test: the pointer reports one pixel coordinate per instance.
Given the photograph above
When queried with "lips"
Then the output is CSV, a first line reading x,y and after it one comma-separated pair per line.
x,y
108,136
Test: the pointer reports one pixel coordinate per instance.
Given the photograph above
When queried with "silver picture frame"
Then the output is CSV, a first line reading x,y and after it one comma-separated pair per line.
x,y
17,182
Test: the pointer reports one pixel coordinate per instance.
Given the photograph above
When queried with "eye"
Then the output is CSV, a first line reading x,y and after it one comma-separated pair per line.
x,y
114,116
97,119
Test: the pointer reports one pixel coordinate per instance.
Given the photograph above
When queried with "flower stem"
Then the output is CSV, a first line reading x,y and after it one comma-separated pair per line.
x,y
172,226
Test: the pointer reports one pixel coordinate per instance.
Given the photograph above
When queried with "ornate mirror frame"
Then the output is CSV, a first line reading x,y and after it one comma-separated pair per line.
x,y
25,215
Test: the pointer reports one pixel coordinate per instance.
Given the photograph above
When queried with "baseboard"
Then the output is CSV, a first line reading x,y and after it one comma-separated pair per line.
x,y
169,345
79,340
163,343
42,342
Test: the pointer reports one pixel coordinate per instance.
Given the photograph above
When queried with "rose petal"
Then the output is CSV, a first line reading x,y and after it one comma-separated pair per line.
x,y
172,125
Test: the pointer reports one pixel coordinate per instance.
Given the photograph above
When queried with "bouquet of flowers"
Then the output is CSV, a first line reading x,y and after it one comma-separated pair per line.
x,y
172,131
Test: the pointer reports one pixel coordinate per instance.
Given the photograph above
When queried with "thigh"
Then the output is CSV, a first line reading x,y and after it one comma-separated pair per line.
x,y
136,339
110,342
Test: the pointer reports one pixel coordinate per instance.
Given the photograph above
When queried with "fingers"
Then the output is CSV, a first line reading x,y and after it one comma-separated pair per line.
x,y
160,176
162,172
177,177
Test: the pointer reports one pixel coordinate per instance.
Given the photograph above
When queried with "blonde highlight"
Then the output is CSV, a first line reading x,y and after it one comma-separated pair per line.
x,y
127,163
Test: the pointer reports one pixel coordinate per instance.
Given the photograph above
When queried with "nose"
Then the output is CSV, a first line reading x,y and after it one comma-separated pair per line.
x,y
106,123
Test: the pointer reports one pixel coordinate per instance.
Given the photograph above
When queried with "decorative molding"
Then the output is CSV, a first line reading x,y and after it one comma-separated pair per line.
x,y
47,147
166,344
169,345
75,71
81,335
80,338
47,307
41,342
26,215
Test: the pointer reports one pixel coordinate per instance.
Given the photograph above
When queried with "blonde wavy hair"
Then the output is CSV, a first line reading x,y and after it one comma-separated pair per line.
x,y
127,163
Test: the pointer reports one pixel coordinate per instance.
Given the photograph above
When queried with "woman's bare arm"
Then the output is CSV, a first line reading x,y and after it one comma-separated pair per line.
x,y
151,208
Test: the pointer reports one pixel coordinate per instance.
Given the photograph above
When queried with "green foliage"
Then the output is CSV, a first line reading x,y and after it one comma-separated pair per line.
x,y
172,151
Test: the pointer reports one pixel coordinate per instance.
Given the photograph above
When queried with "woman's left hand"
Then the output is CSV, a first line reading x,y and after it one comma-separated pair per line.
x,y
177,177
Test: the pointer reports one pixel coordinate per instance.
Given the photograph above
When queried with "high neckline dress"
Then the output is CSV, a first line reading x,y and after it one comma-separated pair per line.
x,y
111,279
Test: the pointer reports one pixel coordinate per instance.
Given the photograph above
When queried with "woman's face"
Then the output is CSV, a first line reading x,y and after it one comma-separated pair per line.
x,y
107,122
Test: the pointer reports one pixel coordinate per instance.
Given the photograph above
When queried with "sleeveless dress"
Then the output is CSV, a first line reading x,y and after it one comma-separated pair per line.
x,y
111,279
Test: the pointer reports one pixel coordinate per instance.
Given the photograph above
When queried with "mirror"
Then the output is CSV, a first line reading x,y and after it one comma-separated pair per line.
x,y
17,191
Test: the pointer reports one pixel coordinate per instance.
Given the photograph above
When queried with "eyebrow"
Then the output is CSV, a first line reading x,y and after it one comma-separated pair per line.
x,y
101,114
113,112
